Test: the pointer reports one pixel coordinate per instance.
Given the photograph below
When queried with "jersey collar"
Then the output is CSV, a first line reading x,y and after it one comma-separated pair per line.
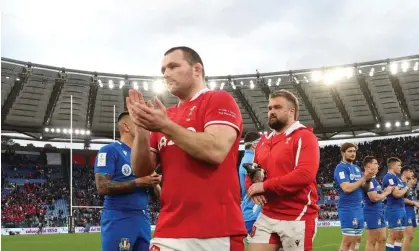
x,y
202,91
294,126
123,145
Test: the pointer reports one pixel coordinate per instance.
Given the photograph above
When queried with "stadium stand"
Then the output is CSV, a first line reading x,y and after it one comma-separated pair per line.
x,y
26,201
367,99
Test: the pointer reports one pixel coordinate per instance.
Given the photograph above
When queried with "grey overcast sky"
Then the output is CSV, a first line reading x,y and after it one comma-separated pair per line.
x,y
232,36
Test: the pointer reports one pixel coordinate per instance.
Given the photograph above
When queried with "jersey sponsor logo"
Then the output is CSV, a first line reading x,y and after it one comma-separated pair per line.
x,y
101,159
163,142
354,176
341,175
124,244
125,152
126,170
226,112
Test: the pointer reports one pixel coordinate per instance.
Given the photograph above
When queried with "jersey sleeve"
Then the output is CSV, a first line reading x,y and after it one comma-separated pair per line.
x,y
222,109
341,174
106,160
154,144
373,187
388,181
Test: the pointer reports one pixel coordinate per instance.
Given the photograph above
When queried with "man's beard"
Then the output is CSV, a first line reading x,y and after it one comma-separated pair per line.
x,y
277,124
348,160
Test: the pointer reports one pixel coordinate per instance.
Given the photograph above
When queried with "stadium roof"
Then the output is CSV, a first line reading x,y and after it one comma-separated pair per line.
x,y
357,100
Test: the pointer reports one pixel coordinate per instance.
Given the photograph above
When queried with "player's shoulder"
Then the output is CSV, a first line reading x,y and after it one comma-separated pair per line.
x,y
109,148
218,95
298,130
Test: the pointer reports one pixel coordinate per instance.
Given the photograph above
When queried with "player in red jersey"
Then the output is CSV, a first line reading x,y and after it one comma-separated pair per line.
x,y
290,155
196,143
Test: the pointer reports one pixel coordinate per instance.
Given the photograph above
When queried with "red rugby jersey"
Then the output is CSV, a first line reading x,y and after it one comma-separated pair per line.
x,y
291,160
199,200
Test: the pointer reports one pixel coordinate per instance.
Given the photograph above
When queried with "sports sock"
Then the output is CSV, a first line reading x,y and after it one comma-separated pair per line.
x,y
397,246
389,247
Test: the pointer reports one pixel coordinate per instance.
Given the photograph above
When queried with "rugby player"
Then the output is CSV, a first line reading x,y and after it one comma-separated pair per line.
x,y
349,182
373,208
196,142
290,155
125,222
395,212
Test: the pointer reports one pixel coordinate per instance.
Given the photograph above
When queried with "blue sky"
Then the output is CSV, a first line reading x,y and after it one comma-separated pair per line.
x,y
232,36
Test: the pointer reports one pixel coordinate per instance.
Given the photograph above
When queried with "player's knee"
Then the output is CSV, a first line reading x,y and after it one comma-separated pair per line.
x,y
409,237
398,236
381,238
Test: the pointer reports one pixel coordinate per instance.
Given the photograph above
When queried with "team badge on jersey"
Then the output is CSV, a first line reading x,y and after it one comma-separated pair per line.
x,y
124,244
126,170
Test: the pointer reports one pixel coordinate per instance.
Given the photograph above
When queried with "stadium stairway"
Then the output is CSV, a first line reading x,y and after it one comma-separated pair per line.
x,y
59,205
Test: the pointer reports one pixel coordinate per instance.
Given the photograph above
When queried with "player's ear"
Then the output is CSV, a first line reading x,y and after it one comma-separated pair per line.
x,y
197,69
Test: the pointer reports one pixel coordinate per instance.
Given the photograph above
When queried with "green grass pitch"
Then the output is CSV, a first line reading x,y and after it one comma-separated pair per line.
x,y
327,239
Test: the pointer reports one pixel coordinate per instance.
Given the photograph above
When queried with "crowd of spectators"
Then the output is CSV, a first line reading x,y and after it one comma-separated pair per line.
x,y
381,149
28,205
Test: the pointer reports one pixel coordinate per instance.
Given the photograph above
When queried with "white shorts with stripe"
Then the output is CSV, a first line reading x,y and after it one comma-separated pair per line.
x,y
232,243
290,235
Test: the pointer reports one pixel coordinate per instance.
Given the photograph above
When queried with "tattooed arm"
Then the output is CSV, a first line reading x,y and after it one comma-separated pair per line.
x,y
106,186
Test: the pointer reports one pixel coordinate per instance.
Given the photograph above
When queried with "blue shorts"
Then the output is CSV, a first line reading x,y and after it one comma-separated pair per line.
x,y
351,222
396,219
374,220
249,225
125,230
411,220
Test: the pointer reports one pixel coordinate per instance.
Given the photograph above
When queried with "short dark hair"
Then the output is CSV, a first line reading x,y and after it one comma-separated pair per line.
x,y
392,160
122,114
288,96
346,146
190,55
250,137
368,160
407,169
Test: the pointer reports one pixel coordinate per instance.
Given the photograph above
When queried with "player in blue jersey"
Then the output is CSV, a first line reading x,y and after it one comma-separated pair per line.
x,y
250,210
373,208
394,212
125,222
410,204
349,182
250,141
